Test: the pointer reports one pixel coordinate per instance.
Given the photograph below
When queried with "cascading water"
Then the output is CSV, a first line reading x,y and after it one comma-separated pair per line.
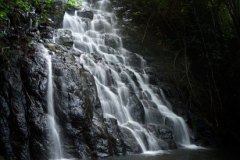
x,y
119,75
56,151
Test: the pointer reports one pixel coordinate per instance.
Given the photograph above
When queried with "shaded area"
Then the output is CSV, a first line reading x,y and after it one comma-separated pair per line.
x,y
181,155
194,47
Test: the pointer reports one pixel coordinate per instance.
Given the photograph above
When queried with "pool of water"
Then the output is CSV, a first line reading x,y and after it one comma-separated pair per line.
x,y
182,154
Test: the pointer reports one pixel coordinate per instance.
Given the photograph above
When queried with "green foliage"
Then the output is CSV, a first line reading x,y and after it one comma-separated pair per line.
x,y
22,4
3,15
74,3
186,18
7,6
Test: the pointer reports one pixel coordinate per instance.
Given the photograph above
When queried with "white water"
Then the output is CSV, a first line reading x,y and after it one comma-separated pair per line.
x,y
56,151
118,78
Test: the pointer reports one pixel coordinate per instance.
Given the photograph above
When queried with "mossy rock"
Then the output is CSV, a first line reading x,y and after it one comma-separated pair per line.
x,y
51,47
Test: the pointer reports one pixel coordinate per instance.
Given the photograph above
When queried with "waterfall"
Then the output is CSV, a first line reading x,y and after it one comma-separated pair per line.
x,y
120,76
55,151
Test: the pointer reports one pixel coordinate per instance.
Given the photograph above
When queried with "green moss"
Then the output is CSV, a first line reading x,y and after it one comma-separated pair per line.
x,y
7,7
51,47
74,3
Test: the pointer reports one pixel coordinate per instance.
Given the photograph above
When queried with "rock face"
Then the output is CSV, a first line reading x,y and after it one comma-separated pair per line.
x,y
24,111
64,37
13,111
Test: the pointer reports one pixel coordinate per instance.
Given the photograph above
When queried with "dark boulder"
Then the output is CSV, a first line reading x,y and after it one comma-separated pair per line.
x,y
164,136
136,109
130,141
112,40
85,14
116,138
64,37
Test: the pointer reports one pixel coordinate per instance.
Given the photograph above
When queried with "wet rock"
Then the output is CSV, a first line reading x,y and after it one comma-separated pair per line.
x,y
46,32
153,77
100,139
165,133
116,138
64,38
5,139
75,53
107,49
102,26
85,14
82,47
132,145
136,109
13,102
135,61
112,40
35,80
164,136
